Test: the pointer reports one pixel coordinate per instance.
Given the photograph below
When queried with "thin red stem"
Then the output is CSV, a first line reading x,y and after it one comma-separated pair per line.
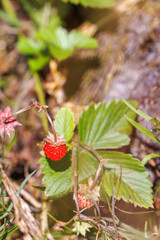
x,y
75,182
97,173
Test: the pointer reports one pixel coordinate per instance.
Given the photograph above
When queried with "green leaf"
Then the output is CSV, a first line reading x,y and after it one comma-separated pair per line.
x,y
9,232
37,64
58,177
92,3
30,47
64,123
142,129
60,53
128,176
132,186
103,194
105,126
139,112
79,40
121,160
8,222
62,44
154,121
148,157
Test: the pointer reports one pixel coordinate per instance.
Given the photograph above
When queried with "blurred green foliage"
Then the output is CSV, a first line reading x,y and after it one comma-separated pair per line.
x,y
93,3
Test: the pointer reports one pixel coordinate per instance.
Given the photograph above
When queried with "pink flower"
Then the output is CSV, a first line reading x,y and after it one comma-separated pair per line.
x,y
7,124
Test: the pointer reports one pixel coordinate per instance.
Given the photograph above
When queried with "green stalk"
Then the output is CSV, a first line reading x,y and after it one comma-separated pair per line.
x,y
9,9
41,99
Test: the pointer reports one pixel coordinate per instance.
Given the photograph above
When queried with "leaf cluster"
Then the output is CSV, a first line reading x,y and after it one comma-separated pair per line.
x,y
100,129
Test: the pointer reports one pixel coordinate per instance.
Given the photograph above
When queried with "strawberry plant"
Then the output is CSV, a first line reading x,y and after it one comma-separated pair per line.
x,y
83,161
88,169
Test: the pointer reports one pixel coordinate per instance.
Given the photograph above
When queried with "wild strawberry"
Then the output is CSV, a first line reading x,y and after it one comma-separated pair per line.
x,y
55,150
55,153
84,201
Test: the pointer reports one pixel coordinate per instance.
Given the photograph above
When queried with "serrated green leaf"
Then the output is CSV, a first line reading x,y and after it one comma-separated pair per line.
x,y
80,40
62,44
118,159
132,186
92,3
64,123
59,182
142,129
129,178
38,63
30,47
60,53
105,126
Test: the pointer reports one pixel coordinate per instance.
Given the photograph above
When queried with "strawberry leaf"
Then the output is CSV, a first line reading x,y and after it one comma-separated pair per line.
x,y
105,126
62,43
64,123
130,185
128,177
29,46
119,159
57,175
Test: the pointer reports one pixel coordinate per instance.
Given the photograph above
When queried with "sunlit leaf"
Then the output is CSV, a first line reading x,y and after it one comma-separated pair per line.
x,y
62,43
105,126
64,123
30,47
130,185
117,160
129,178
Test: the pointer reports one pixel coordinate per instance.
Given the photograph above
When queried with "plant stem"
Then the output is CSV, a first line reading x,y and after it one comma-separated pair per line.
x,y
113,213
98,157
41,98
9,9
89,148
97,173
75,182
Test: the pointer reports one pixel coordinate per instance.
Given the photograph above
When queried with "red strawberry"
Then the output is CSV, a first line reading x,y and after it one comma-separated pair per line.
x,y
55,153
84,201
